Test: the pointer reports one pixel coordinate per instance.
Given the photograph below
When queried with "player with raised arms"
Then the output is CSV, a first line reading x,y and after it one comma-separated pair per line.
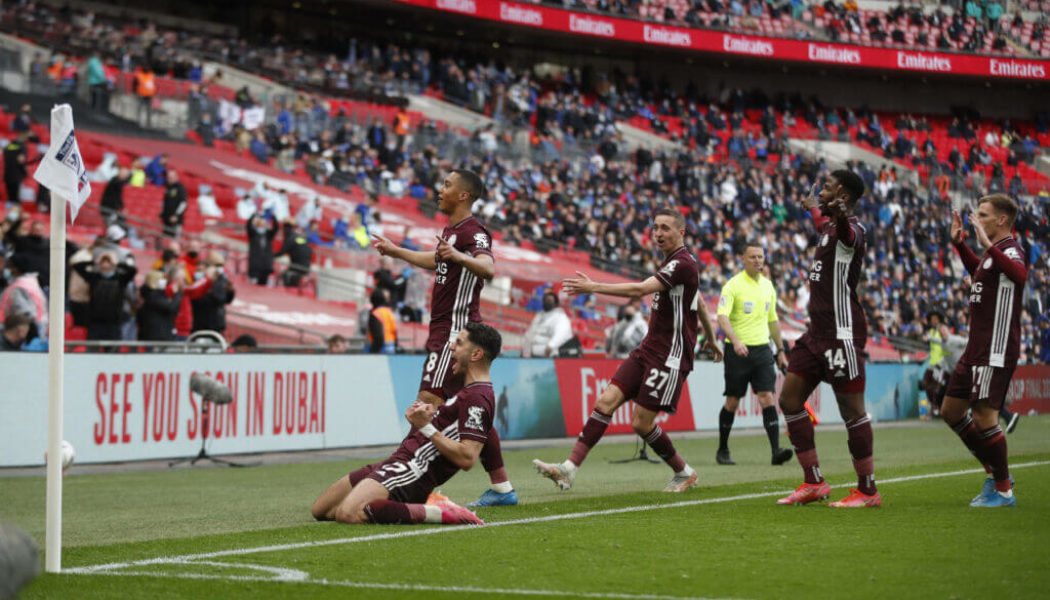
x,y
443,441
982,376
653,374
832,349
462,263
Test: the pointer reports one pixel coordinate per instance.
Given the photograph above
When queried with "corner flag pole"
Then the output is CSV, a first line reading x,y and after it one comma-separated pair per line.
x,y
62,171
56,346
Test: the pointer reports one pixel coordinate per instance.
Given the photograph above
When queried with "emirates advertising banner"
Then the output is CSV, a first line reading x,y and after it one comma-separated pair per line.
x,y
140,407
707,40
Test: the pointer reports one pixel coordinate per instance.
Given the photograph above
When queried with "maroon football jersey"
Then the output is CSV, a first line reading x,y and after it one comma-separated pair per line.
x,y
834,311
673,322
995,311
456,298
465,416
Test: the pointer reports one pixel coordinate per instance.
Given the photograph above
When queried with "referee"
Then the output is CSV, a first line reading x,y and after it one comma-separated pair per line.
x,y
747,314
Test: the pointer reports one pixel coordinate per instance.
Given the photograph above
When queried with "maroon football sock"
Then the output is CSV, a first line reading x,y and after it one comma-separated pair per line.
x,y
860,442
800,432
662,445
389,512
968,433
993,449
492,458
592,431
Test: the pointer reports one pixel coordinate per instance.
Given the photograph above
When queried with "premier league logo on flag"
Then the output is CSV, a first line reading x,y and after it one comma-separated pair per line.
x,y
62,169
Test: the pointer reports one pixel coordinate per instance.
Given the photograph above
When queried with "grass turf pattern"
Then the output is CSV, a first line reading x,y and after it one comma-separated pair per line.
x,y
925,542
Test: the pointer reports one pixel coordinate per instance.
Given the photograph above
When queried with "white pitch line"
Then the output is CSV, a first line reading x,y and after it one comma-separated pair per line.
x,y
410,587
526,521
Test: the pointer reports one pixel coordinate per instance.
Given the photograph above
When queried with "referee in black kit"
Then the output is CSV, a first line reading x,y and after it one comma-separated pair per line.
x,y
747,314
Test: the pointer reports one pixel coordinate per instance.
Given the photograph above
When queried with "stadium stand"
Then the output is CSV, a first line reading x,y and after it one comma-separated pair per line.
x,y
734,178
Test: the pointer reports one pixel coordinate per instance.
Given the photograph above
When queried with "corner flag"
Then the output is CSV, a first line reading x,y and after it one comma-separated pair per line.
x,y
62,169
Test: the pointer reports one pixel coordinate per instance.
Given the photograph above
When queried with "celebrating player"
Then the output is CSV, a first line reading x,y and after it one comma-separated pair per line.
x,y
982,376
653,374
832,349
462,262
443,441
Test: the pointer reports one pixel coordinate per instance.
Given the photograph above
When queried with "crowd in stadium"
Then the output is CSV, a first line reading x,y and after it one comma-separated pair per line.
x,y
731,188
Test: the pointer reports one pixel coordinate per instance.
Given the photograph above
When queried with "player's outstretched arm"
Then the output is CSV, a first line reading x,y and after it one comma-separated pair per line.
x,y
635,289
419,258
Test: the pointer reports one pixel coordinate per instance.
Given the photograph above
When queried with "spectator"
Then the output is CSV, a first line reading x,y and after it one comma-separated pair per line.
x,y
338,344
549,330
107,279
112,204
96,78
23,296
261,232
627,333
244,343
157,170
191,260
145,88
138,174
15,171
382,325
415,295
209,311
195,290
16,329
394,286
299,254
156,316
309,212
174,211
23,120
78,290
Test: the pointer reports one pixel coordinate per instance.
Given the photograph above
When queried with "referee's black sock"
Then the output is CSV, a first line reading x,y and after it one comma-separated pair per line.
x,y
725,425
772,424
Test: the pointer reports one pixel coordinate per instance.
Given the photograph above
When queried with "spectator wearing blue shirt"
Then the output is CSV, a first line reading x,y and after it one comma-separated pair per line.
x,y
157,170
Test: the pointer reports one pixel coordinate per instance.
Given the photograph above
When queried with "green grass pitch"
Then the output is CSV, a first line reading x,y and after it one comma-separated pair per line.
x,y
247,533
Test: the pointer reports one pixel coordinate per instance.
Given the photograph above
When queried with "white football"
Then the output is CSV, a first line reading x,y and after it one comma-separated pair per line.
x,y
68,454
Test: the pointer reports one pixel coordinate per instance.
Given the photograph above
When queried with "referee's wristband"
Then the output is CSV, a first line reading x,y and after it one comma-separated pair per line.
x,y
428,430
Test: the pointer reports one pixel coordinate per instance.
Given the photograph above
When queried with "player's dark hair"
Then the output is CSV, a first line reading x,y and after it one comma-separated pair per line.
x,y
679,219
471,183
485,337
1002,204
852,183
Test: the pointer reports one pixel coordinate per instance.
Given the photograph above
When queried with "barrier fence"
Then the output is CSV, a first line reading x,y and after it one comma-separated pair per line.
x,y
140,406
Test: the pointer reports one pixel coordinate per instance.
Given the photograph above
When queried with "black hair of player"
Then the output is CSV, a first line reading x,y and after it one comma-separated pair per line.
x,y
851,182
471,183
485,337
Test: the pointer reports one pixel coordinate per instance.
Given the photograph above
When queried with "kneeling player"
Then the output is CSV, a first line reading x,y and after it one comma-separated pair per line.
x,y
442,442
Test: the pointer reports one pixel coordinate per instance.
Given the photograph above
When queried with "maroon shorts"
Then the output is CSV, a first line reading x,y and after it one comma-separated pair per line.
x,y
438,378
653,386
838,362
403,484
974,383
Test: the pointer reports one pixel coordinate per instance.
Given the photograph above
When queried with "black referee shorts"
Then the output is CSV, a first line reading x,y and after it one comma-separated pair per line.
x,y
758,369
